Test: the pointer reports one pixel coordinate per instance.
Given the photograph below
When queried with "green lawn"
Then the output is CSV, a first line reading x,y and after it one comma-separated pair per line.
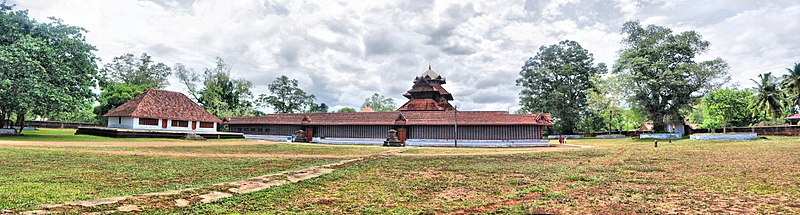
x,y
273,148
684,176
68,135
32,177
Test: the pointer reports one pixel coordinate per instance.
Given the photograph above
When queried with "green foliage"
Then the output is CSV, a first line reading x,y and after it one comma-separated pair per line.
x,y
724,107
791,83
113,95
45,68
606,101
557,81
380,103
286,97
318,108
143,71
347,110
769,100
662,75
220,94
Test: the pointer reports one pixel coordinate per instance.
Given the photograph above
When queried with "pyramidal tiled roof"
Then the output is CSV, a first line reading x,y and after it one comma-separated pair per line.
x,y
162,104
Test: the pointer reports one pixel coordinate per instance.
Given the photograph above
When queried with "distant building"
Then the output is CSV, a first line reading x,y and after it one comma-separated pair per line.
x,y
428,115
162,110
793,119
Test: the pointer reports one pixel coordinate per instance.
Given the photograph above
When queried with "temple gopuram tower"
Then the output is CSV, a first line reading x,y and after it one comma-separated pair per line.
x,y
427,94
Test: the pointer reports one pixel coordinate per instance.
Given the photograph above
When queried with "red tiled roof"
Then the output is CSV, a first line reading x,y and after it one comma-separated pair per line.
x,y
162,104
795,116
405,117
421,105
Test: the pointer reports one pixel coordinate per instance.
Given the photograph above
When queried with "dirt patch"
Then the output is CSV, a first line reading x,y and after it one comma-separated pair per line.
x,y
510,202
499,152
611,160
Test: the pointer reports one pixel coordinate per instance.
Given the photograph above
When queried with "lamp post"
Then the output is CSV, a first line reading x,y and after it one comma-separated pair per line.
x,y
455,113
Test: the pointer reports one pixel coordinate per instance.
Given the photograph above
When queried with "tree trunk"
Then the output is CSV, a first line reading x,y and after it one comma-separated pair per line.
x,y
658,124
20,121
724,125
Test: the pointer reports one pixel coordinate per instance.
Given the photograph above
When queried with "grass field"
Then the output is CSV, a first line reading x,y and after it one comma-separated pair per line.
x,y
68,135
617,176
33,177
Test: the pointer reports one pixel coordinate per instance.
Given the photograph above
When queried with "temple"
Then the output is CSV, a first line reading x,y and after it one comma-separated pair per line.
x,y
427,94
428,116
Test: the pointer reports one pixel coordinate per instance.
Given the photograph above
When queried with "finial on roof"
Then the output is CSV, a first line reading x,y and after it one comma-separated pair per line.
x,y
429,66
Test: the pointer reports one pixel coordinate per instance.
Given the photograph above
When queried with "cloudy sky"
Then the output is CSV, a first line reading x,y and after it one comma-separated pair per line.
x,y
344,51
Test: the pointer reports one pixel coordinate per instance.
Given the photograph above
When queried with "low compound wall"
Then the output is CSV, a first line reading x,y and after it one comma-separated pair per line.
x,y
738,136
661,136
574,136
611,136
54,124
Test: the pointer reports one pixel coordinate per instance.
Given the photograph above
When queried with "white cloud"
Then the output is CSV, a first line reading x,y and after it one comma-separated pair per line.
x,y
344,51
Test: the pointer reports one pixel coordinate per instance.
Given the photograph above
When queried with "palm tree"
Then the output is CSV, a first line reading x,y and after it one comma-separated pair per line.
x,y
791,83
768,97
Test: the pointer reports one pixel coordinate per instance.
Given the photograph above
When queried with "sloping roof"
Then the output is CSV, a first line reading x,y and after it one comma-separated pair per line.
x,y
394,118
795,116
162,104
421,105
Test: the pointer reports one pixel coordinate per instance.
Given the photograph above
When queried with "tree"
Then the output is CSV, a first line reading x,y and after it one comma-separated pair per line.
x,y
113,95
347,110
663,77
143,71
607,98
45,68
286,97
220,94
725,107
557,80
791,83
768,99
317,108
380,103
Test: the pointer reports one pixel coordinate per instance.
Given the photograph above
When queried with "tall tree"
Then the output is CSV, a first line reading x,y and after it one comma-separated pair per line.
x,y
664,77
724,107
143,71
45,68
557,80
379,103
220,94
791,83
768,99
607,99
286,97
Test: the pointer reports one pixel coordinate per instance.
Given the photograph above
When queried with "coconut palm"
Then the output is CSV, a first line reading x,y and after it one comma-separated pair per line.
x,y
768,97
791,83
